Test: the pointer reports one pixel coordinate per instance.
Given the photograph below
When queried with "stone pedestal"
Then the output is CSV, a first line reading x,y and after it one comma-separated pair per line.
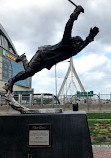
x,y
64,135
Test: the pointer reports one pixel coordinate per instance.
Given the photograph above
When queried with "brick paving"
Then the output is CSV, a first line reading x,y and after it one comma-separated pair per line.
x,y
102,151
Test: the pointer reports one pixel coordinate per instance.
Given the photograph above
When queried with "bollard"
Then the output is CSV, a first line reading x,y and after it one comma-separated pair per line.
x,y
75,107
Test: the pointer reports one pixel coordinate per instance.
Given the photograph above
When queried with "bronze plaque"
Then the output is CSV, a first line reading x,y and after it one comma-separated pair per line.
x,y
39,135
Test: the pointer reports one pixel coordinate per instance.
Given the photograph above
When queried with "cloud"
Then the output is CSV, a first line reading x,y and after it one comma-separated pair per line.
x,y
35,23
31,24
89,62
93,71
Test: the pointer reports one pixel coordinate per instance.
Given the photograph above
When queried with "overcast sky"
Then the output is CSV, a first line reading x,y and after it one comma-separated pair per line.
x,y
33,23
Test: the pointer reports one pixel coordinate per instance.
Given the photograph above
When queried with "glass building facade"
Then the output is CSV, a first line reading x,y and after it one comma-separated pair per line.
x,y
8,67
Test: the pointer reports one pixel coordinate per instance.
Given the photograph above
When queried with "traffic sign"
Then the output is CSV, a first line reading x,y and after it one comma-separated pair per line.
x,y
84,94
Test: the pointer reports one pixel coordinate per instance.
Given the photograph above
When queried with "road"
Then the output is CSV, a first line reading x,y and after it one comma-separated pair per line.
x,y
102,151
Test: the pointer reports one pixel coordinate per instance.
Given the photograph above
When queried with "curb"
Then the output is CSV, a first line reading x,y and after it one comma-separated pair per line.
x,y
101,146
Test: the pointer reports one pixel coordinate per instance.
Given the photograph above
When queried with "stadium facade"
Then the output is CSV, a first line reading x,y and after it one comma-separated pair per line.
x,y
8,66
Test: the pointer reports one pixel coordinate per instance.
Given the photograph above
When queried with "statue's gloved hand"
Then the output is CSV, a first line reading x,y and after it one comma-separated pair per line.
x,y
93,32
20,58
79,9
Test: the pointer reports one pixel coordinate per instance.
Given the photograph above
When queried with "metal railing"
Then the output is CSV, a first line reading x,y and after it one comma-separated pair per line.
x,y
99,102
35,99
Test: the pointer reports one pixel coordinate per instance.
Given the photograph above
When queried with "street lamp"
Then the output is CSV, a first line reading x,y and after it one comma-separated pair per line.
x,y
56,78
55,81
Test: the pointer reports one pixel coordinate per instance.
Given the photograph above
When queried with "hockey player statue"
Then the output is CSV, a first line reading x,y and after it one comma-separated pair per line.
x,y
49,55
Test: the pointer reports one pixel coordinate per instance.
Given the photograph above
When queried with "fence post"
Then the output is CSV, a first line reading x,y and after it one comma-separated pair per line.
x,y
0,100
110,97
99,102
19,98
41,100
87,103
52,100
30,102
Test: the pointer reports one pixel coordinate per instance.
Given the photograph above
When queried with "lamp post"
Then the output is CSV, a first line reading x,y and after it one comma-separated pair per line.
x,y
56,77
55,81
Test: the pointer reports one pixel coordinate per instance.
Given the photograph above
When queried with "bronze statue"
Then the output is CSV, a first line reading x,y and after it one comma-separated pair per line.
x,y
47,56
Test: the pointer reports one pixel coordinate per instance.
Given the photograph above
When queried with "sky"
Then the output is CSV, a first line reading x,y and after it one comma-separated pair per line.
x,y
34,23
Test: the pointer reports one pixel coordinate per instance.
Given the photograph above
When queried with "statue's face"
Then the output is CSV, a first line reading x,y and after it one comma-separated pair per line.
x,y
77,41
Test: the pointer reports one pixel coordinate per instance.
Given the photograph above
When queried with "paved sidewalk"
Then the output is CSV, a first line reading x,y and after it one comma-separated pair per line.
x,y
100,119
102,151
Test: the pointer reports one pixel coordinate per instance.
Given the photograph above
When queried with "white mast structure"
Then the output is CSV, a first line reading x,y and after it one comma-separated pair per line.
x,y
71,70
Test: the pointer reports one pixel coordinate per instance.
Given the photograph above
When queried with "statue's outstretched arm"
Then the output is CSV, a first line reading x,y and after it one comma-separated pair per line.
x,y
69,24
89,38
